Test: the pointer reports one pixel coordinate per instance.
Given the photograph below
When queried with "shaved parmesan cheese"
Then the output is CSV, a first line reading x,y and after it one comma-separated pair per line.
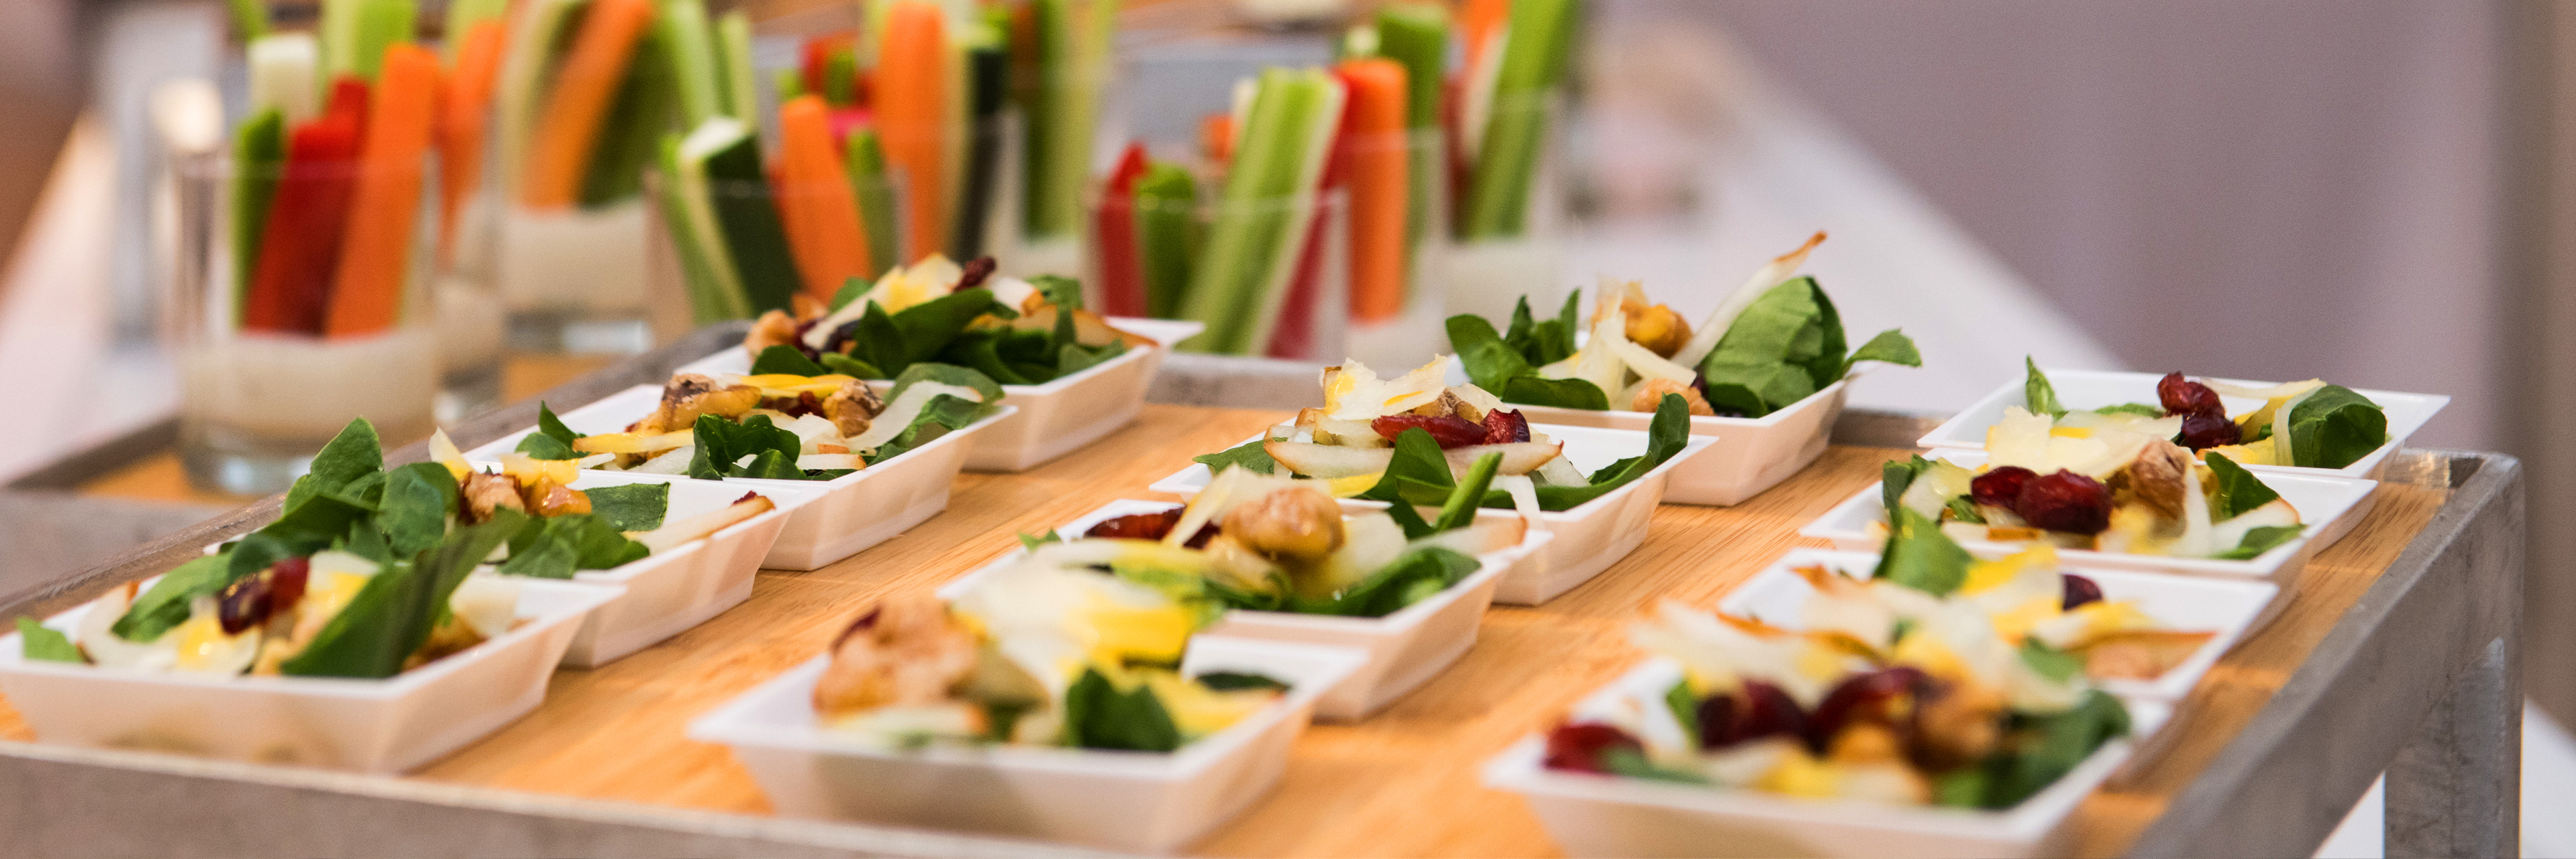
x,y
899,414
2285,389
1710,330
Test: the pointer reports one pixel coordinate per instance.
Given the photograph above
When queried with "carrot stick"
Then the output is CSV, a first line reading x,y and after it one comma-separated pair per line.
x,y
1374,154
828,238
592,72
467,106
1122,273
300,242
1479,23
911,113
375,252
1216,138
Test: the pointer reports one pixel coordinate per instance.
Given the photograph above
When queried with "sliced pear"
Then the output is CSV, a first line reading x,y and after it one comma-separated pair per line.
x,y
1326,460
674,534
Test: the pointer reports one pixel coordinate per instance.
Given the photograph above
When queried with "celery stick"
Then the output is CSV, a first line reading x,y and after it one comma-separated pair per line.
x,y
1072,41
250,19
462,15
726,157
339,31
259,157
1533,65
1165,221
682,26
1262,218
714,292
867,170
789,83
647,100
733,52
380,24
282,69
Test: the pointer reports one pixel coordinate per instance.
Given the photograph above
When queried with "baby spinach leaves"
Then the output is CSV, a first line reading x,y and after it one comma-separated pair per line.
x,y
1098,715
1507,365
39,642
2335,427
1785,347
552,440
393,614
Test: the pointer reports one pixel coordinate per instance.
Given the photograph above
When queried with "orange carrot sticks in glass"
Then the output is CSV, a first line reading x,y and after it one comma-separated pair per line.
x,y
827,236
911,114
569,128
375,249
1374,153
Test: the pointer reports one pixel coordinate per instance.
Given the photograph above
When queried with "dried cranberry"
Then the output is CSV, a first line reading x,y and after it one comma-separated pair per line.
x,y
1504,427
1870,697
1582,746
243,604
976,271
746,497
1449,430
286,583
1137,526
2205,430
1999,487
2065,501
2079,590
2185,397
1755,711
865,621
1200,540
842,335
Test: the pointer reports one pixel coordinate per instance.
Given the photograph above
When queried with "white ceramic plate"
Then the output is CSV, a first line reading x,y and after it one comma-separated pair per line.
x,y
1405,649
376,726
2328,505
1055,418
1588,538
1778,594
670,591
1133,801
1750,454
2093,389
854,511
1598,815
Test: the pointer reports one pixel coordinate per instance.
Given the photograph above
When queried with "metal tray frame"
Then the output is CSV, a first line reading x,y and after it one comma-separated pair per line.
x,y
2421,679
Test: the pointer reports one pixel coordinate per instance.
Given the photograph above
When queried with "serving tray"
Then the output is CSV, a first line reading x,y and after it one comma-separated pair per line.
x,y
2397,654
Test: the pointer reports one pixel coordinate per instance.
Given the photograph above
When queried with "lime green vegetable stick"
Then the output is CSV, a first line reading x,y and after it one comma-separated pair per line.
x,y
1533,65
867,169
259,156
1165,222
1239,282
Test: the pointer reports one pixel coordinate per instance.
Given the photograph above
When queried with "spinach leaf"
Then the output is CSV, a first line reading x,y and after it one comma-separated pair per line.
x,y
1249,454
1562,393
1032,543
392,616
1491,364
1919,556
2238,490
942,415
1890,346
1412,577
721,443
306,528
2050,662
1417,472
1099,716
1685,707
1666,435
2139,409
165,604
920,332
349,458
541,559
946,374
851,289
2039,750
632,506
2037,394
1507,365
786,359
1460,510
1785,346
1964,509
848,366
1896,477
553,427
552,440
1230,681
1628,763
39,642
2260,540
1410,519
418,499
585,540
2335,427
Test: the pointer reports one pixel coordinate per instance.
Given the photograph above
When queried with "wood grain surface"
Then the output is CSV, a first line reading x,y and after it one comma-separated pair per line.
x,y
1403,783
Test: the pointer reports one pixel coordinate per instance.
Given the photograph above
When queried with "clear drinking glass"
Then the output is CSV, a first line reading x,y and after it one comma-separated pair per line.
x,y
699,257
573,278
472,319
264,382
1279,287
1510,234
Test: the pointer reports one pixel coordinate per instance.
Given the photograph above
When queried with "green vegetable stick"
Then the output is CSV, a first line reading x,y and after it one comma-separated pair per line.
x,y
682,27
728,157
988,71
250,19
1417,35
1251,251
1073,41
733,52
867,170
339,29
462,15
1533,65
535,37
789,83
259,156
647,101
380,24
1165,240
714,292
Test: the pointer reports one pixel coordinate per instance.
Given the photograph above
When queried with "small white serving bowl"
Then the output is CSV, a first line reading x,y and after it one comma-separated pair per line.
x,y
2329,506
851,512
1778,594
1056,417
670,591
2093,389
1405,649
1588,538
1600,815
1118,800
391,725
1751,454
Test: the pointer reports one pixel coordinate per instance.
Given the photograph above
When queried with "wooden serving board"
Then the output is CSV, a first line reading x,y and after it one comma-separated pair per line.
x,y
1403,783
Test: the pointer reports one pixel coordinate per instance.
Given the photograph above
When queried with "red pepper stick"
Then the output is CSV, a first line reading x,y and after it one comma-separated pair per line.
x,y
1122,271
300,249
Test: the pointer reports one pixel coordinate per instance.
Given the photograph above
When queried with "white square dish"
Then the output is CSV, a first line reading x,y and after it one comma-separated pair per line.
x,y
1778,594
671,591
1588,538
1055,418
1749,456
2330,506
391,725
1405,649
850,513
1117,800
2093,389
1599,815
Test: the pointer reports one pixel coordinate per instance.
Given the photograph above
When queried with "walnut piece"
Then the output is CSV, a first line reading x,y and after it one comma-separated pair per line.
x,y
906,651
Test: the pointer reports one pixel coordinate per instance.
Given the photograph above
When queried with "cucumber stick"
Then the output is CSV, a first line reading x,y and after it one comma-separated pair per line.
x,y
682,28
867,171
689,215
725,158
1533,65
733,55
259,158
1166,240
988,72
1263,217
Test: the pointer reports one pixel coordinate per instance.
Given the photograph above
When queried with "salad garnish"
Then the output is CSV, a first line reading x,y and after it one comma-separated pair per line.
x,y
1035,654
1773,342
1411,438
772,426
372,571
2307,424
936,311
